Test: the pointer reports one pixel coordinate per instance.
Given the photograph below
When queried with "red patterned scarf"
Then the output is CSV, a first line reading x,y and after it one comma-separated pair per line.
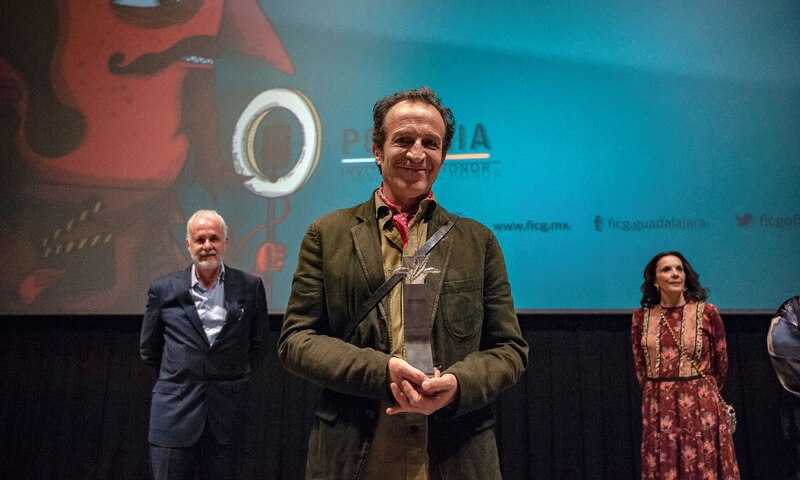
x,y
402,220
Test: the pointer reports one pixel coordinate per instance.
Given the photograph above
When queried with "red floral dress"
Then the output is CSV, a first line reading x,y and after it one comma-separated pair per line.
x,y
684,431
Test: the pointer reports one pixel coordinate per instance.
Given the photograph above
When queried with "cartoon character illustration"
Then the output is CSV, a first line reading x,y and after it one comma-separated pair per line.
x,y
101,105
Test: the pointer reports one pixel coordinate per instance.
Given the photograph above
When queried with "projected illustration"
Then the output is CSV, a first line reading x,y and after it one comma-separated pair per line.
x,y
587,139
106,103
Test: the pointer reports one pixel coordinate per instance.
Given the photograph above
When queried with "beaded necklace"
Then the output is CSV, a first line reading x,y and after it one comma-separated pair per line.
x,y
679,340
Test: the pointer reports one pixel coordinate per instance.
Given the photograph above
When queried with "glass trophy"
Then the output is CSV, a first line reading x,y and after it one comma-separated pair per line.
x,y
418,299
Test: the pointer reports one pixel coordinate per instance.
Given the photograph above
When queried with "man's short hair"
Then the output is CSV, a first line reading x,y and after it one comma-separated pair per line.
x,y
206,213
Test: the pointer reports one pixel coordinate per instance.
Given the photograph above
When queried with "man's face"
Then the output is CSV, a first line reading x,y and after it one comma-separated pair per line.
x,y
411,156
206,242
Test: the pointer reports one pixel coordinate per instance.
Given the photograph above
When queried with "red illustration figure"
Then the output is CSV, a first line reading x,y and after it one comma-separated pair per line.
x,y
101,105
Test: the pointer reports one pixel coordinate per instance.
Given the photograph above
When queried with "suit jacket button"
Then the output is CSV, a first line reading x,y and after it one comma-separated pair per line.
x,y
369,414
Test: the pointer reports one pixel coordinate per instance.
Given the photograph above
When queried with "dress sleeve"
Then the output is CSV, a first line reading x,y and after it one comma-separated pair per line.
x,y
719,359
636,345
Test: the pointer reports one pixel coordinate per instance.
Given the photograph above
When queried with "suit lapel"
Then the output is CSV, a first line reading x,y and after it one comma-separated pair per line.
x,y
233,285
368,248
187,303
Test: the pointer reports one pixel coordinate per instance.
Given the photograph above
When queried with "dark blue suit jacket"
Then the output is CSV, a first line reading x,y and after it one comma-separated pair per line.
x,y
197,381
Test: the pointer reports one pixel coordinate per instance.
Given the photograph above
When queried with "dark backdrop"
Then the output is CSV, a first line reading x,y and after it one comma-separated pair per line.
x,y
74,401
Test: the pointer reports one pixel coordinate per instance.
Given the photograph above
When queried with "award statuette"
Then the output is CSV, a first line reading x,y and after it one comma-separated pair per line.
x,y
417,310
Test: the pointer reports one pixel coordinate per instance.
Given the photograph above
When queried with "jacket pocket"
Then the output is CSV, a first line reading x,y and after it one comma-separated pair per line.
x,y
326,409
168,388
333,406
462,306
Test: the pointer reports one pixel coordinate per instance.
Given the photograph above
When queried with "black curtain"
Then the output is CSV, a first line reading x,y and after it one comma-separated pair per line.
x,y
74,402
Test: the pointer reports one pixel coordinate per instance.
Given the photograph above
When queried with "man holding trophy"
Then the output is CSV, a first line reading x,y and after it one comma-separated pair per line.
x,y
402,312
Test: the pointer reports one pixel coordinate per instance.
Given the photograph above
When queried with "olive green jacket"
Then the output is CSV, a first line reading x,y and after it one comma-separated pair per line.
x,y
475,336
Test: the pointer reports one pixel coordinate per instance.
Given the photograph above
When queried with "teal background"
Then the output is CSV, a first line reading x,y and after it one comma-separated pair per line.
x,y
623,110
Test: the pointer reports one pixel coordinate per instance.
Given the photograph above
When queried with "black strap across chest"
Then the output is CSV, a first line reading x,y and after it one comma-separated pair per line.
x,y
381,292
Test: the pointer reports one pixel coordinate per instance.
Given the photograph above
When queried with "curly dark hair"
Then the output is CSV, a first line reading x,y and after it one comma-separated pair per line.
x,y
422,94
650,294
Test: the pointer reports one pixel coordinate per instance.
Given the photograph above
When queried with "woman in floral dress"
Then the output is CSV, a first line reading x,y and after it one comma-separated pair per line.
x,y
685,434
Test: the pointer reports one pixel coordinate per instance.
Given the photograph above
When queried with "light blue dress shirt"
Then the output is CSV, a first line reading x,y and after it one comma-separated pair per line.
x,y
210,304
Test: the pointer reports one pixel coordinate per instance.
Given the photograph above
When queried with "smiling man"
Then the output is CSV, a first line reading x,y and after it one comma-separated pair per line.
x,y
203,329
403,313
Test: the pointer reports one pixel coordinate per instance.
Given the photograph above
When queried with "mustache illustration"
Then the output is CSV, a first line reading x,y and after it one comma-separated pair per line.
x,y
150,63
